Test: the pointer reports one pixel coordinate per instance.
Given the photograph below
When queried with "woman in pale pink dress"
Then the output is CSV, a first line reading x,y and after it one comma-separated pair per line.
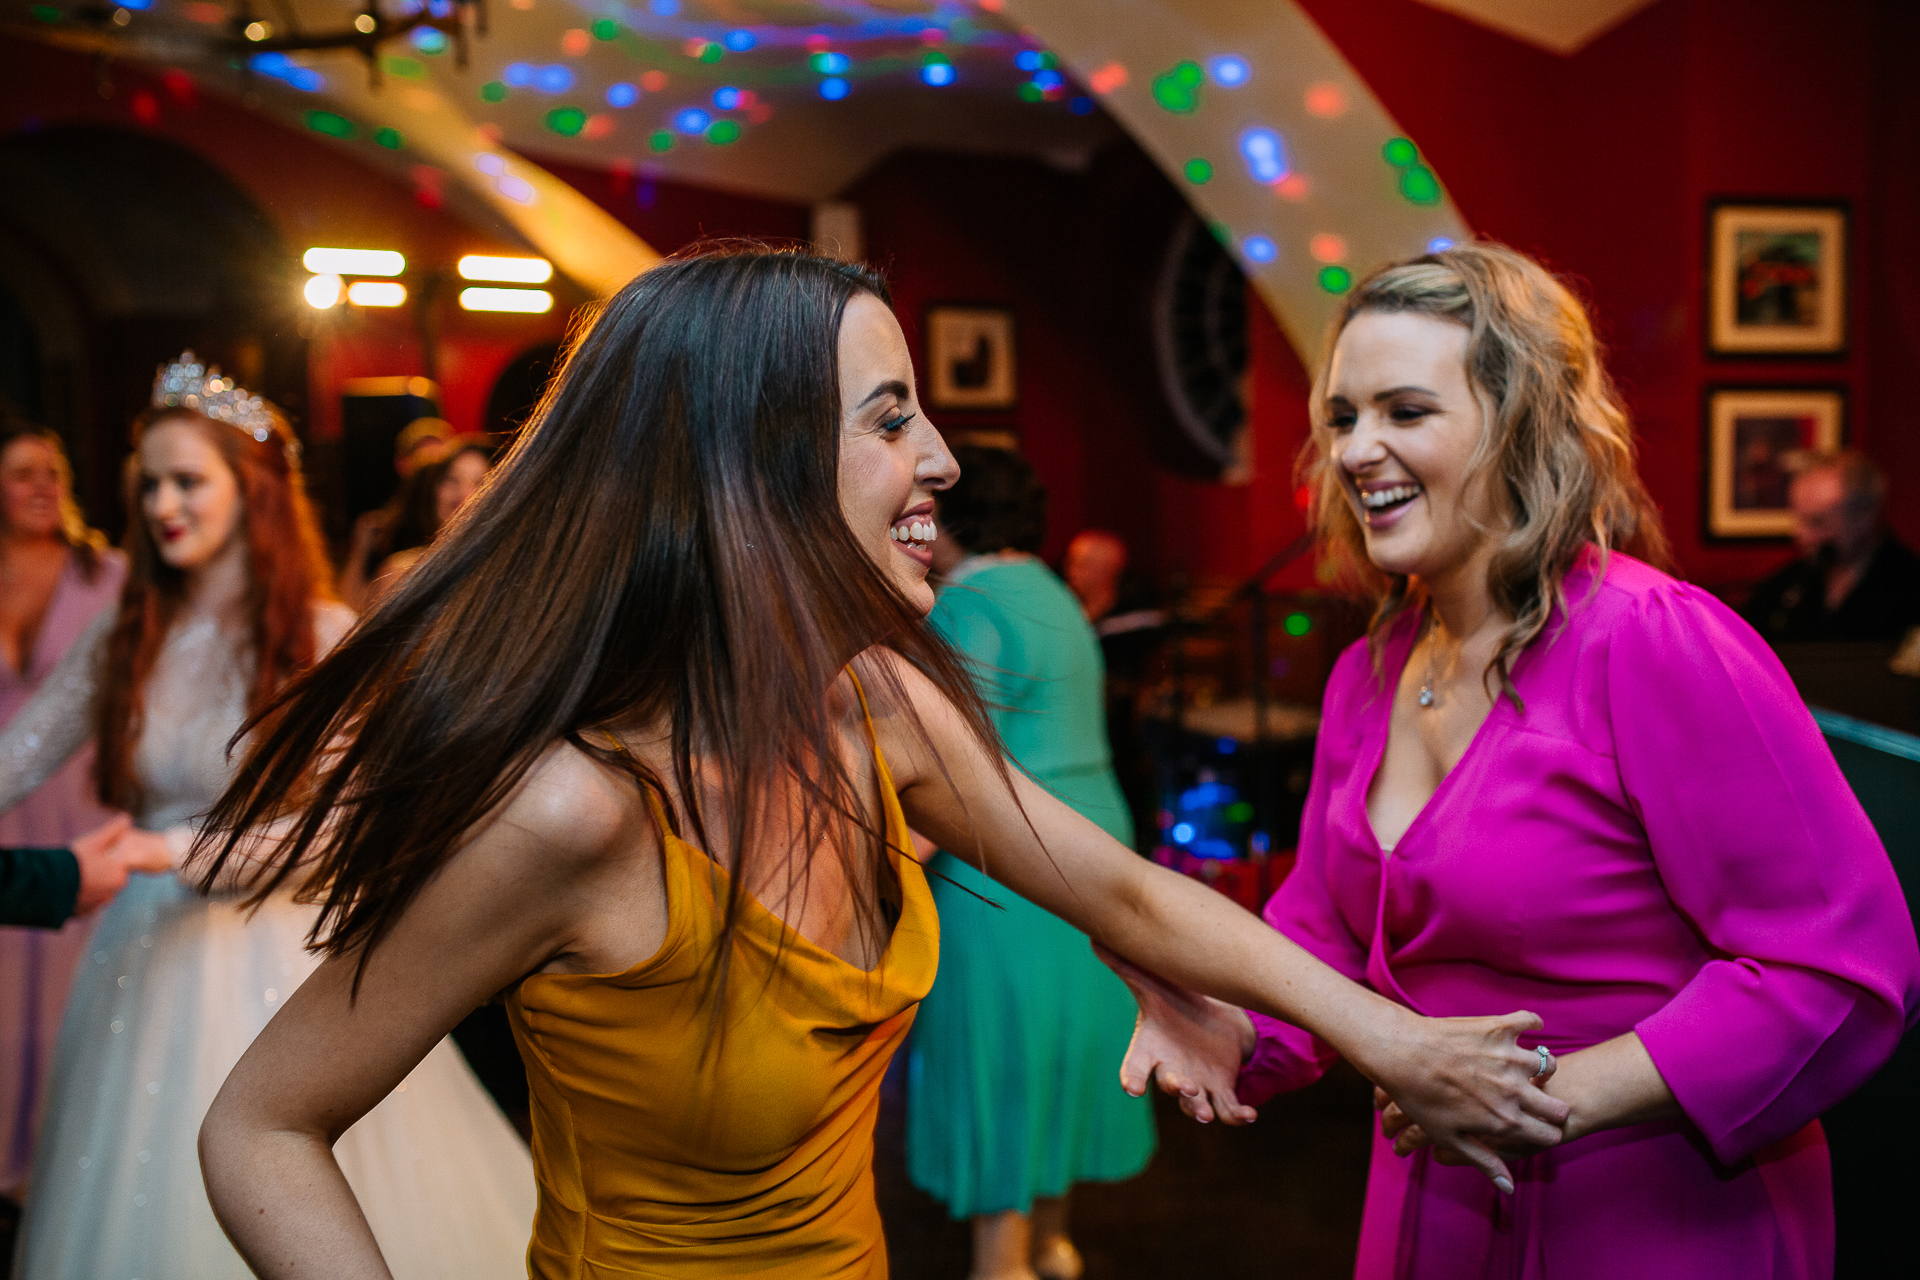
x,y
55,575
1555,776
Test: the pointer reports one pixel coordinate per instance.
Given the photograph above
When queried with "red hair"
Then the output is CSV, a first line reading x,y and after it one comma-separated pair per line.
x,y
288,572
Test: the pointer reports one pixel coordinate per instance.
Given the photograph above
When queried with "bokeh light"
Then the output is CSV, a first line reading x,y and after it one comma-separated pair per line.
x,y
556,78
1178,90
741,41
1400,152
691,120
1298,624
660,140
828,63
1335,279
518,74
1418,184
566,121
722,132
1326,100
1328,247
834,88
605,29
938,74
726,97
493,91
622,94
1198,171
1259,249
1439,244
1229,71
1265,154
429,40
575,43
1081,106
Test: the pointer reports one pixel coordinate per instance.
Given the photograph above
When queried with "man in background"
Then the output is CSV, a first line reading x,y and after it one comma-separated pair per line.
x,y
1853,581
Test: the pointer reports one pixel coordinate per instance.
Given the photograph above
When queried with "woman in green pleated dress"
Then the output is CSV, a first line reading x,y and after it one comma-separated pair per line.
x,y
1012,1091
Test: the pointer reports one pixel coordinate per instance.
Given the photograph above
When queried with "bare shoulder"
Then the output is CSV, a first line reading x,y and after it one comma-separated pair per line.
x,y
913,720
578,810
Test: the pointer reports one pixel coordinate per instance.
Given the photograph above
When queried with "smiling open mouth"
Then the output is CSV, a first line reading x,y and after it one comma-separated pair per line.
x,y
914,533
1379,501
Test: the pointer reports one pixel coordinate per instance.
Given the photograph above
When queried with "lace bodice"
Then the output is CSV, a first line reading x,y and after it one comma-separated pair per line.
x,y
196,700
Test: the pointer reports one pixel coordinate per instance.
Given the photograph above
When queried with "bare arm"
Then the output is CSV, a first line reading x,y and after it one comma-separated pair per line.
x,y
1465,1080
58,720
568,862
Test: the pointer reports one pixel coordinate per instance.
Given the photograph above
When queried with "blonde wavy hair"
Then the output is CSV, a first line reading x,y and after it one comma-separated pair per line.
x,y
86,541
1558,442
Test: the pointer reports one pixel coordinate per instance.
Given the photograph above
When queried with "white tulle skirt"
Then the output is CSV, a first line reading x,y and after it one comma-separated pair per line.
x,y
169,995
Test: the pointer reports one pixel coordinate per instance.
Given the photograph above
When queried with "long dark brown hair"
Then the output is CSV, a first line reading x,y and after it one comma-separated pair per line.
x,y
663,544
287,569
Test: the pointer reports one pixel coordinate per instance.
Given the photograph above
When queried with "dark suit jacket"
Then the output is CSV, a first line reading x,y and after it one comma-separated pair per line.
x,y
1791,606
38,886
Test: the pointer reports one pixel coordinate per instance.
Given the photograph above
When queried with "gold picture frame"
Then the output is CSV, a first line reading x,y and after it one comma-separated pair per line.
x,y
1776,279
972,362
1753,435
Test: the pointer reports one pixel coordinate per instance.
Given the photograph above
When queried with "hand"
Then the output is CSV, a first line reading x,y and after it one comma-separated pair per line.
x,y
1409,1137
108,853
1469,1087
1192,1045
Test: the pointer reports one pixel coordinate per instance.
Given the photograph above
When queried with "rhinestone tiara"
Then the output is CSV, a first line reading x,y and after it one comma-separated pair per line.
x,y
188,384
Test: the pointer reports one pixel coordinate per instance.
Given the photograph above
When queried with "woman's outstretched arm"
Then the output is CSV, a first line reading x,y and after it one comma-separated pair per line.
x,y
1465,1080
567,869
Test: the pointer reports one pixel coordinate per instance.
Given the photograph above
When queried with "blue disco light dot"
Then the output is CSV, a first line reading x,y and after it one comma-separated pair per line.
x,y
136,4
1259,249
429,40
691,120
272,63
1081,106
829,63
833,88
1048,80
1265,154
518,74
740,41
1028,60
1182,832
1229,71
557,78
306,79
937,73
1226,746
726,97
665,8
622,94
1439,244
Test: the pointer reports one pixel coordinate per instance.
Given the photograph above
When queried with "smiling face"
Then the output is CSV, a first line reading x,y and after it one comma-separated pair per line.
x,y
189,496
32,485
892,461
1405,422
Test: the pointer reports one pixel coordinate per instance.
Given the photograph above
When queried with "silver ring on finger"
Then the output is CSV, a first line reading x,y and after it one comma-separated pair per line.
x,y
1546,1061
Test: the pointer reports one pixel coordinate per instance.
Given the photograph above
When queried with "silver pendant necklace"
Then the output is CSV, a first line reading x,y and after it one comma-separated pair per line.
x,y
1426,685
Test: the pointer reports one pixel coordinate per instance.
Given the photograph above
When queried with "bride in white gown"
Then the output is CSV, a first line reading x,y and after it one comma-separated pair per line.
x,y
176,985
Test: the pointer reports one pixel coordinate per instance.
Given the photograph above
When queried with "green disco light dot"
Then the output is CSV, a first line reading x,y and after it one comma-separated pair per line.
x,y
605,29
388,138
1198,171
1420,186
1175,92
46,13
1222,232
1400,152
1336,279
721,132
713,52
493,91
660,140
1298,624
330,124
566,121
405,68
1031,92
935,58
1239,811
1048,62
1189,75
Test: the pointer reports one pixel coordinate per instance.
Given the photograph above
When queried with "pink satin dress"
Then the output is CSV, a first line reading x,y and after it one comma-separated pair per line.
x,y
36,965
1660,842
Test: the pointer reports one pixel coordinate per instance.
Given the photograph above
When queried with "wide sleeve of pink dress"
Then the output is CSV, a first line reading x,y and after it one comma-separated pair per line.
x,y
1659,842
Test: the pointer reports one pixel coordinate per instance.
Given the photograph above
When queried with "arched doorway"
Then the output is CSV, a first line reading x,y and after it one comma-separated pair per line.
x,y
117,251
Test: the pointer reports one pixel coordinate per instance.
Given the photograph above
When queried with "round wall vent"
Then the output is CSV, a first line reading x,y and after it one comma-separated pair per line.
x,y
1200,339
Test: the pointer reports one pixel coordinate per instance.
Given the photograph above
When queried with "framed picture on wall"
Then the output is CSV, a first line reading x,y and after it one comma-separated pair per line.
x,y
971,361
1755,436
1776,279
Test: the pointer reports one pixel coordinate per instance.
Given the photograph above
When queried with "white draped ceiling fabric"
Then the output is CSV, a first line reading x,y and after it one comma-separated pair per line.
x,y
1246,105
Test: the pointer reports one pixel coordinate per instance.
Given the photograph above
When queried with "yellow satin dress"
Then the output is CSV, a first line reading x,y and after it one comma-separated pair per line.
x,y
661,1152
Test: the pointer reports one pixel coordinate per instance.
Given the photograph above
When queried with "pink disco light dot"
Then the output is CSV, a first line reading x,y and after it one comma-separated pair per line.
x,y
575,43
1293,187
819,43
1107,78
1327,247
599,125
1326,100
654,81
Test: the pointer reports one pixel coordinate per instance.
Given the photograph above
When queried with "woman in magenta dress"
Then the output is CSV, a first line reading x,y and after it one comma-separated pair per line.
x,y
1554,776
57,574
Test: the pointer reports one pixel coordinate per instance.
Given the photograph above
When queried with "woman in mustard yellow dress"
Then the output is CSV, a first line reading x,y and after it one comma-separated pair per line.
x,y
635,746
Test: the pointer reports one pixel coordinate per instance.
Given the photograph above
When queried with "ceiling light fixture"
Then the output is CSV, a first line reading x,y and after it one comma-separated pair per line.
x,y
480,266
525,301
376,293
353,262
